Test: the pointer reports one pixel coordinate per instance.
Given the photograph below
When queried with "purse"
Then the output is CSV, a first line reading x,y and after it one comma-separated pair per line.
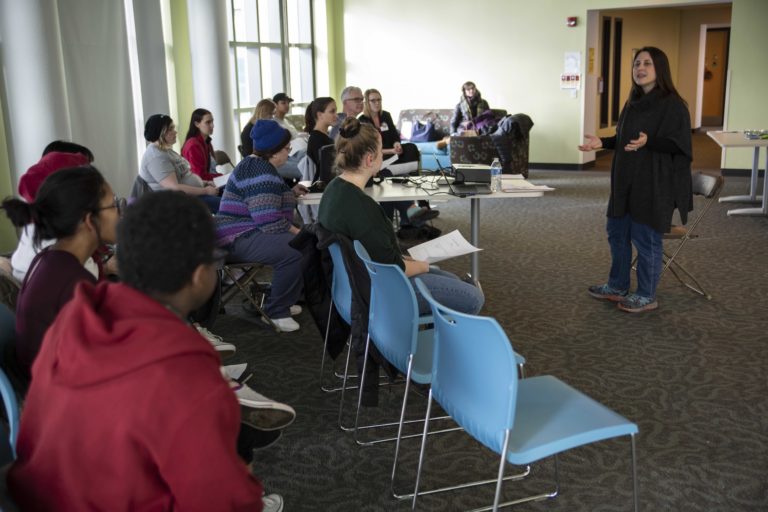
x,y
424,132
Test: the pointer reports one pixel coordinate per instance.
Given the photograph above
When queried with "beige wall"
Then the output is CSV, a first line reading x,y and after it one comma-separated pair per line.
x,y
514,50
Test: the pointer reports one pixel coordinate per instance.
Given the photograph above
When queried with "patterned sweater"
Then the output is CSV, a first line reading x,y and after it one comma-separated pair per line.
x,y
255,197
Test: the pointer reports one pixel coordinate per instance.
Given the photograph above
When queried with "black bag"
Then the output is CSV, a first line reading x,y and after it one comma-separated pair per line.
x,y
424,132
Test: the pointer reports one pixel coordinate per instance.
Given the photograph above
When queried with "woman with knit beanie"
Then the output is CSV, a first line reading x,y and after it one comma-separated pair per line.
x,y
254,221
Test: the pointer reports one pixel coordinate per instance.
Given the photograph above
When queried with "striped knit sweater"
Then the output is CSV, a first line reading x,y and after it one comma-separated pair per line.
x,y
255,197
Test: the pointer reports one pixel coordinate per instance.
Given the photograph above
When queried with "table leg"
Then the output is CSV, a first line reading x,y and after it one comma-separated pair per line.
x,y
475,237
760,211
752,197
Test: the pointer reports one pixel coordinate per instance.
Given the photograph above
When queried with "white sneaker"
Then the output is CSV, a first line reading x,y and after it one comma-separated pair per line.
x,y
224,349
295,310
263,413
284,324
272,503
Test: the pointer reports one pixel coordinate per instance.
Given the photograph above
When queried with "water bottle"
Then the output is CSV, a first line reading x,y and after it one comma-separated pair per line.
x,y
496,175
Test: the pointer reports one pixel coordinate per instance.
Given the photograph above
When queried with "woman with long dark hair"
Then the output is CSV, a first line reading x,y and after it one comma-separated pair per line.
x,y
650,178
198,150
319,117
78,208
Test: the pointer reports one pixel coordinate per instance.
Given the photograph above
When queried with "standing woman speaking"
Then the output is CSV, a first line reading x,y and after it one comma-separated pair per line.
x,y
650,178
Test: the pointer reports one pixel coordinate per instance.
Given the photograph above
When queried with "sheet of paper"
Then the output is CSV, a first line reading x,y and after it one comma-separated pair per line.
x,y
442,248
388,161
220,181
518,185
234,371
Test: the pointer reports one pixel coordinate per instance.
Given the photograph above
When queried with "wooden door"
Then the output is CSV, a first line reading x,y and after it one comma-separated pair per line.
x,y
715,68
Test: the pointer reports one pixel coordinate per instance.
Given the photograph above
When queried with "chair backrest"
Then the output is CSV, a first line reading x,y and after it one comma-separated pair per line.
x,y
393,318
474,372
7,336
707,185
341,289
327,158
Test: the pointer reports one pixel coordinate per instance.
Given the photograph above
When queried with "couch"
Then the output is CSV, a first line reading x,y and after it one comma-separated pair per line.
x,y
511,149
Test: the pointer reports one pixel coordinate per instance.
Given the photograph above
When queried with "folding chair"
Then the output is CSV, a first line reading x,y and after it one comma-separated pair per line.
x,y
474,379
709,187
243,279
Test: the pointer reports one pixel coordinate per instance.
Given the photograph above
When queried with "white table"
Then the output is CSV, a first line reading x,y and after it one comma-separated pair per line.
x,y
738,140
389,191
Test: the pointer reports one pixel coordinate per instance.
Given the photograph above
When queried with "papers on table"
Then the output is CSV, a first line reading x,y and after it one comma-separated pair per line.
x,y
442,248
516,183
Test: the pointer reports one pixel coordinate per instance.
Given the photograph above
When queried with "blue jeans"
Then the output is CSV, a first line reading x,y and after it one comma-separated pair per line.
x,y
287,277
448,290
623,232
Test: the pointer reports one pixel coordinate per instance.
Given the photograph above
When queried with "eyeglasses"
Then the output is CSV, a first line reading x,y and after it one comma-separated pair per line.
x,y
117,202
374,100
356,100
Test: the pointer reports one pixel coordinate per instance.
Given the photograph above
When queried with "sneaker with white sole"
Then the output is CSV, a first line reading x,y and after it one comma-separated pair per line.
x,y
272,503
284,324
606,292
224,349
634,303
262,413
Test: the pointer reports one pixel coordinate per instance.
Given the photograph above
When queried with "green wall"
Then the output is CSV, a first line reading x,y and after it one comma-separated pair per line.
x,y
8,238
514,51
337,72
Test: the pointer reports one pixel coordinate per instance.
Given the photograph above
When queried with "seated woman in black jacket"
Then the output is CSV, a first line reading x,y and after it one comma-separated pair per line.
x,y
374,114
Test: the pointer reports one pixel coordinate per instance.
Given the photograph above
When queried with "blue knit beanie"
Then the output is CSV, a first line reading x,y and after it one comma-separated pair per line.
x,y
268,136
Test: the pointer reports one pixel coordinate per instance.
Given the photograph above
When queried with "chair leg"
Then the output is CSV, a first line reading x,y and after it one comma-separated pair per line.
x,y
634,475
325,348
343,389
421,451
400,426
673,265
500,478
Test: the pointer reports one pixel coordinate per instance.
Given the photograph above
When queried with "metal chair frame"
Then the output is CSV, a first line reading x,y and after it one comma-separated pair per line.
x,y
242,285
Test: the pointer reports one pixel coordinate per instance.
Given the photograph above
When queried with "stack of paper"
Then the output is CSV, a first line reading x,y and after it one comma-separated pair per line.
x,y
517,185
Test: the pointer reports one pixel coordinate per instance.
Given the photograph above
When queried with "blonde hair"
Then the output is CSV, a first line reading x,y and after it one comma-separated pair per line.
x,y
265,109
355,140
367,106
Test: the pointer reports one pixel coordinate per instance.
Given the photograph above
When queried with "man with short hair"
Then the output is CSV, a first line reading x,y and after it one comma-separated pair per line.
x,y
351,106
282,107
128,408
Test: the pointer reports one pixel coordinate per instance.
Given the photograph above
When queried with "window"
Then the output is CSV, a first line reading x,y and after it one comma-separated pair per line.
x,y
271,50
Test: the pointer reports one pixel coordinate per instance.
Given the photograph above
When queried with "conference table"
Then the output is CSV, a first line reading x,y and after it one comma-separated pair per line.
x,y
435,188
736,139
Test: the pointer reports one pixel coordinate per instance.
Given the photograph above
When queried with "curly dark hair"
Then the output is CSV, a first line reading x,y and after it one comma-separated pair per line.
x,y
163,238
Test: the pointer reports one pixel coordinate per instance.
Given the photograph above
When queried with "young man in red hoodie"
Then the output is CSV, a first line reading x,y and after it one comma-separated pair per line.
x,y
108,423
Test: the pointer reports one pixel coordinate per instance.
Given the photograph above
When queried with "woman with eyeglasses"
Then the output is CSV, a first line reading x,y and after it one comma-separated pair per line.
x,y
374,114
254,221
78,208
164,169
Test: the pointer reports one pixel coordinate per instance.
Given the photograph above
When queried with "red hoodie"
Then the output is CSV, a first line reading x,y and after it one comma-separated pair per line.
x,y
128,411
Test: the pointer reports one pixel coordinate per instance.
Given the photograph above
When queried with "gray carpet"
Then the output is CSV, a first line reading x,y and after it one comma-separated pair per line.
x,y
692,374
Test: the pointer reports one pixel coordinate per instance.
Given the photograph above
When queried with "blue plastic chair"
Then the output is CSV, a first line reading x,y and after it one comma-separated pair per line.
x,y
405,339
524,421
7,336
341,295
